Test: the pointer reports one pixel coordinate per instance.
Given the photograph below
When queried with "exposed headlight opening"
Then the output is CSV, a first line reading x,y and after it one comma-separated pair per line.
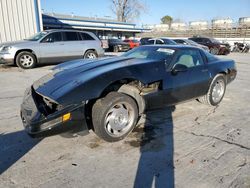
x,y
45,105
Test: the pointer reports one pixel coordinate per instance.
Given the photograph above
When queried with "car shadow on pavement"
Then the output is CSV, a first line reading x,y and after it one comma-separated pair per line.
x,y
14,146
156,167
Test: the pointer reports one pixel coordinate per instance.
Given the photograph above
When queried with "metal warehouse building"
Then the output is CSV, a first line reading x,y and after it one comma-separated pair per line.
x,y
19,19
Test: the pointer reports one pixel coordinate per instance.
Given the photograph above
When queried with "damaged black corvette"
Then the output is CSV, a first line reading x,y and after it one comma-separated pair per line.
x,y
109,95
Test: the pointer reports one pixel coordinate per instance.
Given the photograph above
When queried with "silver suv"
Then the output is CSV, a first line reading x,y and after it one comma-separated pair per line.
x,y
51,46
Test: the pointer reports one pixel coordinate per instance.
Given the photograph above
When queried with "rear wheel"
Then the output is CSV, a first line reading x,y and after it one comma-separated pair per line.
x,y
216,91
114,116
26,60
90,54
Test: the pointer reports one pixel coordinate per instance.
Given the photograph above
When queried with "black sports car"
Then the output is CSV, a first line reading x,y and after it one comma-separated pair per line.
x,y
108,95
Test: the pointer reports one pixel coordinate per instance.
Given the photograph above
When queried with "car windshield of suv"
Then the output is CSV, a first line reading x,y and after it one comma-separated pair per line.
x,y
135,41
37,36
158,53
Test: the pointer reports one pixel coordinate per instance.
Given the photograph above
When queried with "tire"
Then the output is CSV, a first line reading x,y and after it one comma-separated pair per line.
x,y
116,49
26,60
114,116
216,91
90,54
214,51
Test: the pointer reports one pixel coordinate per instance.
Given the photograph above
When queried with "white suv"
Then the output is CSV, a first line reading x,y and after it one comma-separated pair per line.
x,y
51,46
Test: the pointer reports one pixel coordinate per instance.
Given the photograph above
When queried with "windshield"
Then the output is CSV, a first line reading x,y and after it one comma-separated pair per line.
x,y
37,36
214,40
115,40
192,42
150,52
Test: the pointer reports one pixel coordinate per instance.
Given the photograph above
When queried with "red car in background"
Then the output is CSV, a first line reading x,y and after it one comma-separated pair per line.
x,y
132,43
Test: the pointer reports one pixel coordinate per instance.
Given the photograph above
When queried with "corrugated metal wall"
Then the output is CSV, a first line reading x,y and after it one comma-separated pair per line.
x,y
19,19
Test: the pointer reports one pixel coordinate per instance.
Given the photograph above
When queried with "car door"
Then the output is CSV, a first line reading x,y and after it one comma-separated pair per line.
x,y
186,84
74,45
88,42
52,48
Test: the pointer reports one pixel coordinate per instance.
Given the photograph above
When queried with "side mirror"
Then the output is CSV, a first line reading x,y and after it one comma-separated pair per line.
x,y
179,68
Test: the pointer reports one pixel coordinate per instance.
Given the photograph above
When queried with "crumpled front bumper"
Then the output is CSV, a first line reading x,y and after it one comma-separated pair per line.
x,y
38,125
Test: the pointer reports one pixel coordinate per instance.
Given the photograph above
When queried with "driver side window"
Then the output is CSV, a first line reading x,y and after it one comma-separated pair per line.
x,y
53,37
189,58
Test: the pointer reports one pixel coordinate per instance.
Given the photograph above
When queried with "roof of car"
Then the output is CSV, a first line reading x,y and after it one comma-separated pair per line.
x,y
62,30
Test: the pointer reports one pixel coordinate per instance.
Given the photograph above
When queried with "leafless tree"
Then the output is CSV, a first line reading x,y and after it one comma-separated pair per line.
x,y
127,10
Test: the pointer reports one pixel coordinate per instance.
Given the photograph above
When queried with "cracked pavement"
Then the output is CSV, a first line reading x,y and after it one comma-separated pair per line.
x,y
189,145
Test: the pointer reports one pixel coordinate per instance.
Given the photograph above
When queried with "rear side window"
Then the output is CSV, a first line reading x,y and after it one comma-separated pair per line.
x,y
159,42
86,36
190,58
71,36
167,41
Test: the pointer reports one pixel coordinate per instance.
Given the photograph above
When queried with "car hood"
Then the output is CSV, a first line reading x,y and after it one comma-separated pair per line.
x,y
17,43
69,75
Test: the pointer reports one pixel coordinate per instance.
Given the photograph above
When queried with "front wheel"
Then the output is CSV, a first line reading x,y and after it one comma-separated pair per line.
x,y
216,91
26,60
114,116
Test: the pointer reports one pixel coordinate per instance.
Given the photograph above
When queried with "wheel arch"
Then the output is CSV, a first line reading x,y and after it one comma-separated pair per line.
x,y
91,49
225,73
123,86
24,50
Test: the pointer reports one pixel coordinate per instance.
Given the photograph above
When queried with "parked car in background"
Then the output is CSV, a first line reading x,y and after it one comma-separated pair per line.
x,y
240,47
215,46
144,40
51,46
109,95
133,43
190,42
117,45
161,40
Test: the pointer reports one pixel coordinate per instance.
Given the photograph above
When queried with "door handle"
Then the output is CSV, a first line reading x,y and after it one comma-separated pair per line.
x,y
61,44
204,70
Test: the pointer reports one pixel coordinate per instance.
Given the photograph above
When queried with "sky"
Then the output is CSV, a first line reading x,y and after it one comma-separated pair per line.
x,y
186,10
